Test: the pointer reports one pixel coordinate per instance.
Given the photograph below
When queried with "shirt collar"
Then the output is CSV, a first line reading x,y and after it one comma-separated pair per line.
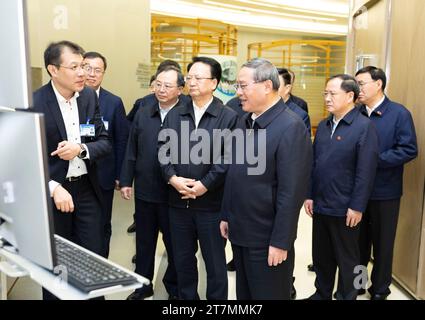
x,y
213,108
265,118
370,110
168,108
60,98
348,118
204,108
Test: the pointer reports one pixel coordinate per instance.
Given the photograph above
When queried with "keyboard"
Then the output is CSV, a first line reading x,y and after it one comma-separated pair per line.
x,y
87,272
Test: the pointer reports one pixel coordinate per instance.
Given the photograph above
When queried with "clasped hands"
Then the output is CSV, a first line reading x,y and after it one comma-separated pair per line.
x,y
188,188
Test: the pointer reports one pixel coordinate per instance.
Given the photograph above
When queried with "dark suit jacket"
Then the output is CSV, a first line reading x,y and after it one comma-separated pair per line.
x,y
299,102
141,163
213,173
235,105
301,113
344,166
99,146
263,208
397,146
112,111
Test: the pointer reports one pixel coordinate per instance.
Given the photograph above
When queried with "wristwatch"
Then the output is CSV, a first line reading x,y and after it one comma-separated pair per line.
x,y
83,152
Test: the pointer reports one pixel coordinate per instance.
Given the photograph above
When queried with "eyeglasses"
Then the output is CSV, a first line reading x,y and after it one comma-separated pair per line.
x,y
332,94
196,78
97,71
159,85
243,86
362,84
85,67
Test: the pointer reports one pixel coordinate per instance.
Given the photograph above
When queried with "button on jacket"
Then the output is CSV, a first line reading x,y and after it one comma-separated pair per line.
x,y
344,165
211,175
397,146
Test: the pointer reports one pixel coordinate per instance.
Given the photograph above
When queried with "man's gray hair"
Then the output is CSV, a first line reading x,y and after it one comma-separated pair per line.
x,y
263,70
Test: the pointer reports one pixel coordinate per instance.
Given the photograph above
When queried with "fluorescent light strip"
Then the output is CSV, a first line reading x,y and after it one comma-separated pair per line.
x,y
339,31
324,6
267,11
207,7
342,13
185,9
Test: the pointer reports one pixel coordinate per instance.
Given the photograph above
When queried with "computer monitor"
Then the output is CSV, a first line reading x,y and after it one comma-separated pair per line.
x,y
15,75
25,205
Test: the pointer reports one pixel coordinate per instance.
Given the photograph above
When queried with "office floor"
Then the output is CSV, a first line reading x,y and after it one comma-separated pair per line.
x,y
123,248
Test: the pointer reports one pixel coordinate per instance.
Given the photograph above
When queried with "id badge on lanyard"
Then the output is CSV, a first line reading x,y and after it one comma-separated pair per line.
x,y
87,130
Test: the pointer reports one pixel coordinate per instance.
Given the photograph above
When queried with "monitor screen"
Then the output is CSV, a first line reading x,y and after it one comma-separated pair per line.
x,y
15,87
25,205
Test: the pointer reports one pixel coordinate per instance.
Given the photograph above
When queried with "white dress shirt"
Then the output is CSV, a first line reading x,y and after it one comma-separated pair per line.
x,y
199,111
163,111
71,119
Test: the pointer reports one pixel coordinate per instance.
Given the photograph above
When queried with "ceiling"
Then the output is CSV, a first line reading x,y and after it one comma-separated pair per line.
x,y
315,17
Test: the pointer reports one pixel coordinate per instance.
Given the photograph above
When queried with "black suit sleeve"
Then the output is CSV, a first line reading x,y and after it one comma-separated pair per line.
x,y
100,146
294,160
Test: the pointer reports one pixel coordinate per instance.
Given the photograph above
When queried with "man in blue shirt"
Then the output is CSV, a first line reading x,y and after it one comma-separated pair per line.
x,y
397,146
345,157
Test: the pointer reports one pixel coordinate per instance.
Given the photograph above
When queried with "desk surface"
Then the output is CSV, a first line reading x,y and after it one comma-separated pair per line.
x,y
62,290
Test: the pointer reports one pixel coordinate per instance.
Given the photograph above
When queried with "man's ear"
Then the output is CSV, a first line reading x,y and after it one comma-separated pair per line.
x,y
379,82
52,70
351,96
268,85
215,83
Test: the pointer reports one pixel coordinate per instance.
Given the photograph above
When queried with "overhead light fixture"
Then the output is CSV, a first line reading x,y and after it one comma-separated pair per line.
x,y
298,16
179,8
324,7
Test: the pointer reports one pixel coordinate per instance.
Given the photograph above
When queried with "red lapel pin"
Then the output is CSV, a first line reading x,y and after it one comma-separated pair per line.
x,y
339,138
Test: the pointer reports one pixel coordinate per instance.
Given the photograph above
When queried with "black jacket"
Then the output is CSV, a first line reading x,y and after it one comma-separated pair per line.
x,y
141,158
212,174
299,102
88,109
262,209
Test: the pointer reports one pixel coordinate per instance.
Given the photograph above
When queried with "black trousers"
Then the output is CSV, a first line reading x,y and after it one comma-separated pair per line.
x,y
378,231
108,197
255,280
187,227
335,245
150,219
84,225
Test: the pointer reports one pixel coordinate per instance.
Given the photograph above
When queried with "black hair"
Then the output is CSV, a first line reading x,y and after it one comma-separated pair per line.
x,y
215,67
375,74
93,55
167,63
348,84
285,75
180,77
53,52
